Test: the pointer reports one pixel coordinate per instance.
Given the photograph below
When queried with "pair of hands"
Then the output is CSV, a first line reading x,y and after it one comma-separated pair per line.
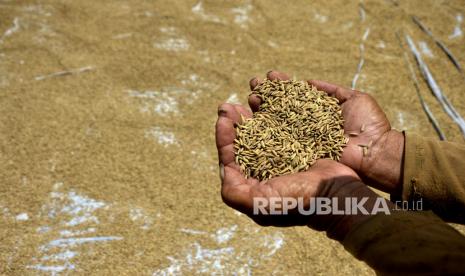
x,y
380,168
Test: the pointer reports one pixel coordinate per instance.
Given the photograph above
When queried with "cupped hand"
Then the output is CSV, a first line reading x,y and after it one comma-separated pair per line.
x,y
367,126
326,178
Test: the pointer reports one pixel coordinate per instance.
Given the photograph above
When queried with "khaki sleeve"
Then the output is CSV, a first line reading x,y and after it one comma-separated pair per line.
x,y
407,243
434,176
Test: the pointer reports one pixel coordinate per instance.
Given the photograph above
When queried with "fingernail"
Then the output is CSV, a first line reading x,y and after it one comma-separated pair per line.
x,y
221,111
221,172
253,82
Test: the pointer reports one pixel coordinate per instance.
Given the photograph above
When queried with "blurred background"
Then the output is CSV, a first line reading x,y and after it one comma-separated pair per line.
x,y
107,109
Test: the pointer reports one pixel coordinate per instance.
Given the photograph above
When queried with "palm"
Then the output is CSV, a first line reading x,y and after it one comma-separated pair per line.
x,y
239,192
365,123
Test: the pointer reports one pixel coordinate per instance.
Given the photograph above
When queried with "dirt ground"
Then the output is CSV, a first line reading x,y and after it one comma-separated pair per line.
x,y
107,110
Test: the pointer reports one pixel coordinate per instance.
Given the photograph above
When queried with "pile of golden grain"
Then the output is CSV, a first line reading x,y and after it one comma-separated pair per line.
x,y
295,125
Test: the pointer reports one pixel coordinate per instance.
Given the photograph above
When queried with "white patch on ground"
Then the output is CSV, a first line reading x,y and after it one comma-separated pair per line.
x,y
160,102
80,208
165,101
73,242
68,254
5,211
400,119
13,29
36,9
36,19
404,121
22,217
233,99
53,269
139,215
198,8
223,235
161,136
381,44
73,233
192,231
241,15
173,44
362,58
45,32
166,105
224,258
457,32
273,243
168,30
122,36
171,41
272,44
201,157
73,212
366,34
43,229
320,18
193,85
362,13
205,55
199,260
65,73
458,27
200,11
192,79
347,26
425,50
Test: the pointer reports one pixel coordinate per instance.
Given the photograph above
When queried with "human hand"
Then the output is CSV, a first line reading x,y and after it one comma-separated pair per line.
x,y
367,126
326,178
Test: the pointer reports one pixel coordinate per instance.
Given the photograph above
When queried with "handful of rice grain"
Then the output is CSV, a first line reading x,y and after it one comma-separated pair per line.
x,y
296,125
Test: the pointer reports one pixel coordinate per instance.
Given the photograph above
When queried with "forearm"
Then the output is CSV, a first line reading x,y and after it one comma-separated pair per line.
x,y
396,242
408,243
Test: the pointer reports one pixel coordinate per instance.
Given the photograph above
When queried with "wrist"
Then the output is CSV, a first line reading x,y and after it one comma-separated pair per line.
x,y
352,191
382,166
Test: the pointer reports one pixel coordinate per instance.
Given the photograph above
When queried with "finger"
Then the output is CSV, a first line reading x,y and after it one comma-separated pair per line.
x,y
254,82
229,115
225,135
254,102
243,111
275,75
225,132
340,93
233,112
236,191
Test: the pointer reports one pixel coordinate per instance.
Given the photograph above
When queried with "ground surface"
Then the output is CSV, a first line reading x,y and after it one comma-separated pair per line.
x,y
112,168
